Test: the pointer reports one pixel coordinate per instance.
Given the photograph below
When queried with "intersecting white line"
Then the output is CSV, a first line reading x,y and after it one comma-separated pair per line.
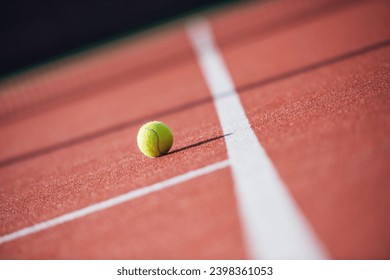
x,y
113,201
273,225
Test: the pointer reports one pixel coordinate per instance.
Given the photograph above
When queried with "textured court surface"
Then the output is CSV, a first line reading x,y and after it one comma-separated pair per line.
x,y
313,78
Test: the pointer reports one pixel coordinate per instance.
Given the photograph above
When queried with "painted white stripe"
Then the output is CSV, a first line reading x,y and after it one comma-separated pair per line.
x,y
114,201
273,225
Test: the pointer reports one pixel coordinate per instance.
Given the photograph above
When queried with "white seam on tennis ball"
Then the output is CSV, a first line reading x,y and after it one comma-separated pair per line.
x,y
158,140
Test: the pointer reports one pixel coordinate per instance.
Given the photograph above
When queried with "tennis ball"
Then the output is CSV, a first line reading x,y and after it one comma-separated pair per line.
x,y
154,139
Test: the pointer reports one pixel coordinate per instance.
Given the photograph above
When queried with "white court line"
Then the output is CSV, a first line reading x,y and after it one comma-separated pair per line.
x,y
273,225
114,201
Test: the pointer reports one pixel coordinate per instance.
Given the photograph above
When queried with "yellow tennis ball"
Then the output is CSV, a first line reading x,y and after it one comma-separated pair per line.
x,y
154,139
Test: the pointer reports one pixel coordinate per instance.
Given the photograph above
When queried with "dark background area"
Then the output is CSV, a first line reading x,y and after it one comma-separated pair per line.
x,y
34,31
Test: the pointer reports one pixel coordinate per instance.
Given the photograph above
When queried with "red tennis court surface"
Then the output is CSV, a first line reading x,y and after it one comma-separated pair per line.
x,y
313,80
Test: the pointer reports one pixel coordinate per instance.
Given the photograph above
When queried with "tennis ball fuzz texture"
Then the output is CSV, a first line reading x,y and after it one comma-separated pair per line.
x,y
154,139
